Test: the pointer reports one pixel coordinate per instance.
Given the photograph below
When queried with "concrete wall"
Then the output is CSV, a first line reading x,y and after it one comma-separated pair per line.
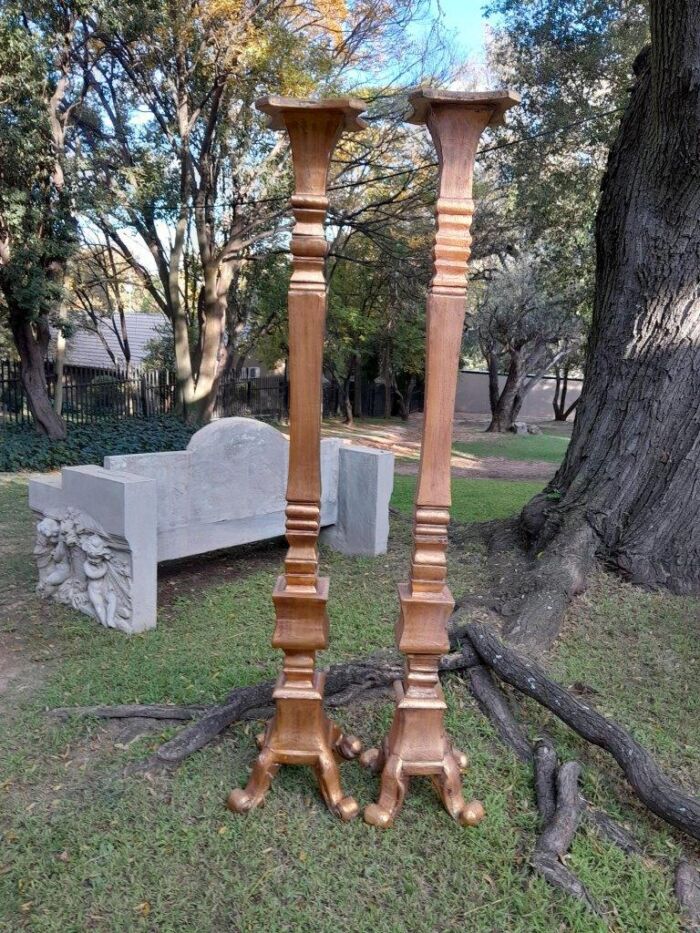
x,y
473,395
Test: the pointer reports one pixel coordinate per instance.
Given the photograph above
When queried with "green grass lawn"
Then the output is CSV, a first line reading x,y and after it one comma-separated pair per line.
x,y
548,447
84,848
473,500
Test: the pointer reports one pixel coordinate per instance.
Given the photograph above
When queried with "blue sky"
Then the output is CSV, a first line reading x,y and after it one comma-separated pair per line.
x,y
465,17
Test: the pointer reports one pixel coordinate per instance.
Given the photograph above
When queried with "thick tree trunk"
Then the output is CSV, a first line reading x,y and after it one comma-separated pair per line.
x,y
494,388
404,401
201,405
561,412
31,357
347,401
357,389
504,413
387,379
59,364
200,390
632,471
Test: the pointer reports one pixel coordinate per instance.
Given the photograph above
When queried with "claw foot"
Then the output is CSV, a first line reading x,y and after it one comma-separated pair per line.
x,y
240,801
347,809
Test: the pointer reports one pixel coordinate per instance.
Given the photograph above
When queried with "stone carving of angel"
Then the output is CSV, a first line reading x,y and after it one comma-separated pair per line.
x,y
107,583
52,557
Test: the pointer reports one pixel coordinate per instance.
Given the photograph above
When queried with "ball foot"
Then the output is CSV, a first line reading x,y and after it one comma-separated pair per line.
x,y
378,816
472,813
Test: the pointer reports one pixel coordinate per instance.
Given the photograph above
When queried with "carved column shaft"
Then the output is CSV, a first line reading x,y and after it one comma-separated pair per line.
x,y
417,743
300,733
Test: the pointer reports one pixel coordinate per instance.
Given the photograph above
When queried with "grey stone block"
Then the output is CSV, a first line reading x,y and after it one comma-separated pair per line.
x,y
102,531
97,544
365,484
227,488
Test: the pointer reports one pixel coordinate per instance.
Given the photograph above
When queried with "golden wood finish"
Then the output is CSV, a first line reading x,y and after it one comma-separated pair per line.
x,y
417,743
300,733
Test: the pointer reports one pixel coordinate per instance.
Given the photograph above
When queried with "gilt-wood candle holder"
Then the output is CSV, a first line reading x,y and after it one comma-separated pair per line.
x,y
417,743
300,733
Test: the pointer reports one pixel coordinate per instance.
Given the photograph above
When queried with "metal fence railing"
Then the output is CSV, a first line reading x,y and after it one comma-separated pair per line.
x,y
93,395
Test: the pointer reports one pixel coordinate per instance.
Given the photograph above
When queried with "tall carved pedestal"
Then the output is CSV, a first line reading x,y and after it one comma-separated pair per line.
x,y
300,733
417,743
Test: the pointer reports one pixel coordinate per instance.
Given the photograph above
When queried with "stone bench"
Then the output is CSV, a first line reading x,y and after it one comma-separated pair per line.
x,y
101,531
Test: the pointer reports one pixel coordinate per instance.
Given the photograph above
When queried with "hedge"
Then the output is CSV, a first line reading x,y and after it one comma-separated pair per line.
x,y
21,448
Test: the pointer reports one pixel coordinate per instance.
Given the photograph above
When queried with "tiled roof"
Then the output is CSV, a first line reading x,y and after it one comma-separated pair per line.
x,y
85,348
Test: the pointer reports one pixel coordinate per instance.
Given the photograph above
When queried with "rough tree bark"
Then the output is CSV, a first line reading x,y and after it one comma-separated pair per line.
x,y
628,491
632,471
30,340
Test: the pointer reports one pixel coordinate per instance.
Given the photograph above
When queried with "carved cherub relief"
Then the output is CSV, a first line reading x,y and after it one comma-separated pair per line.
x,y
79,566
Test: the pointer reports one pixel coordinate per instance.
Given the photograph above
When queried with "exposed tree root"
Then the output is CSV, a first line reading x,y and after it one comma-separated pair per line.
x,y
130,711
687,889
560,829
475,644
558,834
651,785
611,831
533,588
545,767
494,704
559,802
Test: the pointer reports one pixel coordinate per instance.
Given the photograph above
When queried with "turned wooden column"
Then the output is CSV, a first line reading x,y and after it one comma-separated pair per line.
x,y
300,733
417,743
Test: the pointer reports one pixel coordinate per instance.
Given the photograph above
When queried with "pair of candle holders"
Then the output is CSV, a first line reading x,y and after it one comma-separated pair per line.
x,y
300,733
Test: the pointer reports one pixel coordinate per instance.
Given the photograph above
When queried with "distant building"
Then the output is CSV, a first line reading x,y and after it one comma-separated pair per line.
x,y
87,348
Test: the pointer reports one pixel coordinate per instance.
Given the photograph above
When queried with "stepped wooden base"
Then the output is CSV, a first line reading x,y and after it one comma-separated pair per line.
x,y
418,746
300,733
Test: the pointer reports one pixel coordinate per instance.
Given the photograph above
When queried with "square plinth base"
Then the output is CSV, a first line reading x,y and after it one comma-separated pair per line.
x,y
301,617
418,745
422,624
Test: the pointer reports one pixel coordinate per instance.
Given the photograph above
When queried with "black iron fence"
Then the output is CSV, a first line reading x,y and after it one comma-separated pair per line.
x,y
92,395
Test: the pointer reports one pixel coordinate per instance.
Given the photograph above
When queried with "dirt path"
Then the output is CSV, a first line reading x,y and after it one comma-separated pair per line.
x,y
403,440
19,674
489,468
25,648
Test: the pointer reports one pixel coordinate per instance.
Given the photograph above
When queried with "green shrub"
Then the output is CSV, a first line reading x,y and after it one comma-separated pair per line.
x,y
21,448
